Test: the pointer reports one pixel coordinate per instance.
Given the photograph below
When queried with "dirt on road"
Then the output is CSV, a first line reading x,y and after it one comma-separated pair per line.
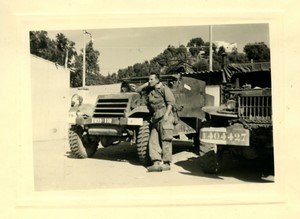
x,y
118,167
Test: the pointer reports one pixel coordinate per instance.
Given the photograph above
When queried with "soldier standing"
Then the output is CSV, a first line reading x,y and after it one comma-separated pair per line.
x,y
161,101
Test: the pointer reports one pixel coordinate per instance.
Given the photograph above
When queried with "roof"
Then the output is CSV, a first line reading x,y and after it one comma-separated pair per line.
x,y
224,75
144,79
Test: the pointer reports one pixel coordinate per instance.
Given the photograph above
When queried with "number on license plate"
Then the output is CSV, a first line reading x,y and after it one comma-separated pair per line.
x,y
101,120
223,136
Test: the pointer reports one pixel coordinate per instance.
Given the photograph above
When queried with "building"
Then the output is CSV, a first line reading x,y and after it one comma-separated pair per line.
x,y
49,98
216,79
229,47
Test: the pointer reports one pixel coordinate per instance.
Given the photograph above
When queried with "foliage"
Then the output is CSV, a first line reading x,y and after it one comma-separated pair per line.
x,y
194,56
93,76
201,65
206,49
111,78
195,42
62,51
41,45
236,57
257,52
65,50
59,51
92,55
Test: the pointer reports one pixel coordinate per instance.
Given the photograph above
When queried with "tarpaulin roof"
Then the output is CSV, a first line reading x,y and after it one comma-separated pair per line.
x,y
231,69
144,79
225,75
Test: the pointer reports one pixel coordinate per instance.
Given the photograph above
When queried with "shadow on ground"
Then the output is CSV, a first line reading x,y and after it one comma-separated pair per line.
x,y
124,152
241,169
245,170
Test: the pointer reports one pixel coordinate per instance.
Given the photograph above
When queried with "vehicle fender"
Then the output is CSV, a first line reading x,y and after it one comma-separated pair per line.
x,y
87,109
217,111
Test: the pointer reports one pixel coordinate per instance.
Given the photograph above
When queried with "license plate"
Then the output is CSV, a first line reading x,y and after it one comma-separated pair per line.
x,y
102,120
225,136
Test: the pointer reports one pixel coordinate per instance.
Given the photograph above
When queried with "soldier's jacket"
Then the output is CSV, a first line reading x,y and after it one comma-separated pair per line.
x,y
159,98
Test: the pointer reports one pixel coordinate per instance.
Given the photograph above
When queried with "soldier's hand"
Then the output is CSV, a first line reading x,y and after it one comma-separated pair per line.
x,y
165,118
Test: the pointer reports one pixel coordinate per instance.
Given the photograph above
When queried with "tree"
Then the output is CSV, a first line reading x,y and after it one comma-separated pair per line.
x,y
221,51
195,46
92,55
111,78
173,59
53,50
195,42
257,52
206,49
93,76
62,51
194,51
154,67
41,45
201,65
76,73
236,57
66,50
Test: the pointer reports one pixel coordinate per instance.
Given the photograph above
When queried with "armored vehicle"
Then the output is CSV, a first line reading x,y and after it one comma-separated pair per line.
x,y
124,116
242,123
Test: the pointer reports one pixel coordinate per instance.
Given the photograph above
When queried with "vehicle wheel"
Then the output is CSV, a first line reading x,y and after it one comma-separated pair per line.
x,y
82,145
142,144
210,159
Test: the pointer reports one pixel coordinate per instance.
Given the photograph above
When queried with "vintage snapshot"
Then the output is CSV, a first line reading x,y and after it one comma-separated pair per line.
x,y
152,107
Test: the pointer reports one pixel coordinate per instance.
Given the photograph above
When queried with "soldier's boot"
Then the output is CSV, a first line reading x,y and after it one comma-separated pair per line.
x,y
156,167
166,166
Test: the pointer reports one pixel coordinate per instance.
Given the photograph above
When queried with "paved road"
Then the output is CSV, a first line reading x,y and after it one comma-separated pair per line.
x,y
118,167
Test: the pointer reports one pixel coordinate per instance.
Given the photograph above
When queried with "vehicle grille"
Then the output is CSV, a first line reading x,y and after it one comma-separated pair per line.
x,y
110,107
257,109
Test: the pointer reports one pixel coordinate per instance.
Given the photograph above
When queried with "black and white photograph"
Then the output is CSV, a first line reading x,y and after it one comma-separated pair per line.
x,y
152,106
149,109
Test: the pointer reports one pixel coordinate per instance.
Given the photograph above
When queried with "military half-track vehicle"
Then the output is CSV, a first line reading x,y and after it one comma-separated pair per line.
x,y
124,116
242,124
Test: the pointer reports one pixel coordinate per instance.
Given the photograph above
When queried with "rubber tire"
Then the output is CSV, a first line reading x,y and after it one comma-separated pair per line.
x,y
211,162
81,144
142,143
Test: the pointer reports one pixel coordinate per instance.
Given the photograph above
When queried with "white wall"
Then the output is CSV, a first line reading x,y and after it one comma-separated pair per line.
x,y
50,105
213,93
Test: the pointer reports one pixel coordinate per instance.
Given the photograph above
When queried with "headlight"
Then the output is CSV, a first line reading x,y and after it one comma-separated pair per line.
x,y
76,100
230,105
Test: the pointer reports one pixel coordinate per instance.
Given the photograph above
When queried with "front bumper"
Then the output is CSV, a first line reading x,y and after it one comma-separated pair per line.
x,y
75,119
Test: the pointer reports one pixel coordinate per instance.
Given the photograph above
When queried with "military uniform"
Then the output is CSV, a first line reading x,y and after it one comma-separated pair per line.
x,y
161,135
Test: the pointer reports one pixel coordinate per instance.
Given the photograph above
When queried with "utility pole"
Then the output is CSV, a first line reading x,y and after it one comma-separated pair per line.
x,y
210,47
84,55
67,54
83,67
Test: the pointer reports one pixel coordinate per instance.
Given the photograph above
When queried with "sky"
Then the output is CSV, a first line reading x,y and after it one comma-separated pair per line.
x,y
123,47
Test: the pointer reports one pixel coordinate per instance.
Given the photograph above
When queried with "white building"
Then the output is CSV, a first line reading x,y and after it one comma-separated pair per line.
x,y
229,47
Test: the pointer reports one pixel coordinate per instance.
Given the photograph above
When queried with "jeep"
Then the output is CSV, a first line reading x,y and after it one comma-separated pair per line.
x,y
242,123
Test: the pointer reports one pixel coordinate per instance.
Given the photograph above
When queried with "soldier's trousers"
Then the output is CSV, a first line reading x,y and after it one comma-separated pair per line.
x,y
160,142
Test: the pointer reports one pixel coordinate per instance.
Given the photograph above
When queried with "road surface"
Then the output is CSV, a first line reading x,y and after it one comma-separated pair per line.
x,y
118,167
